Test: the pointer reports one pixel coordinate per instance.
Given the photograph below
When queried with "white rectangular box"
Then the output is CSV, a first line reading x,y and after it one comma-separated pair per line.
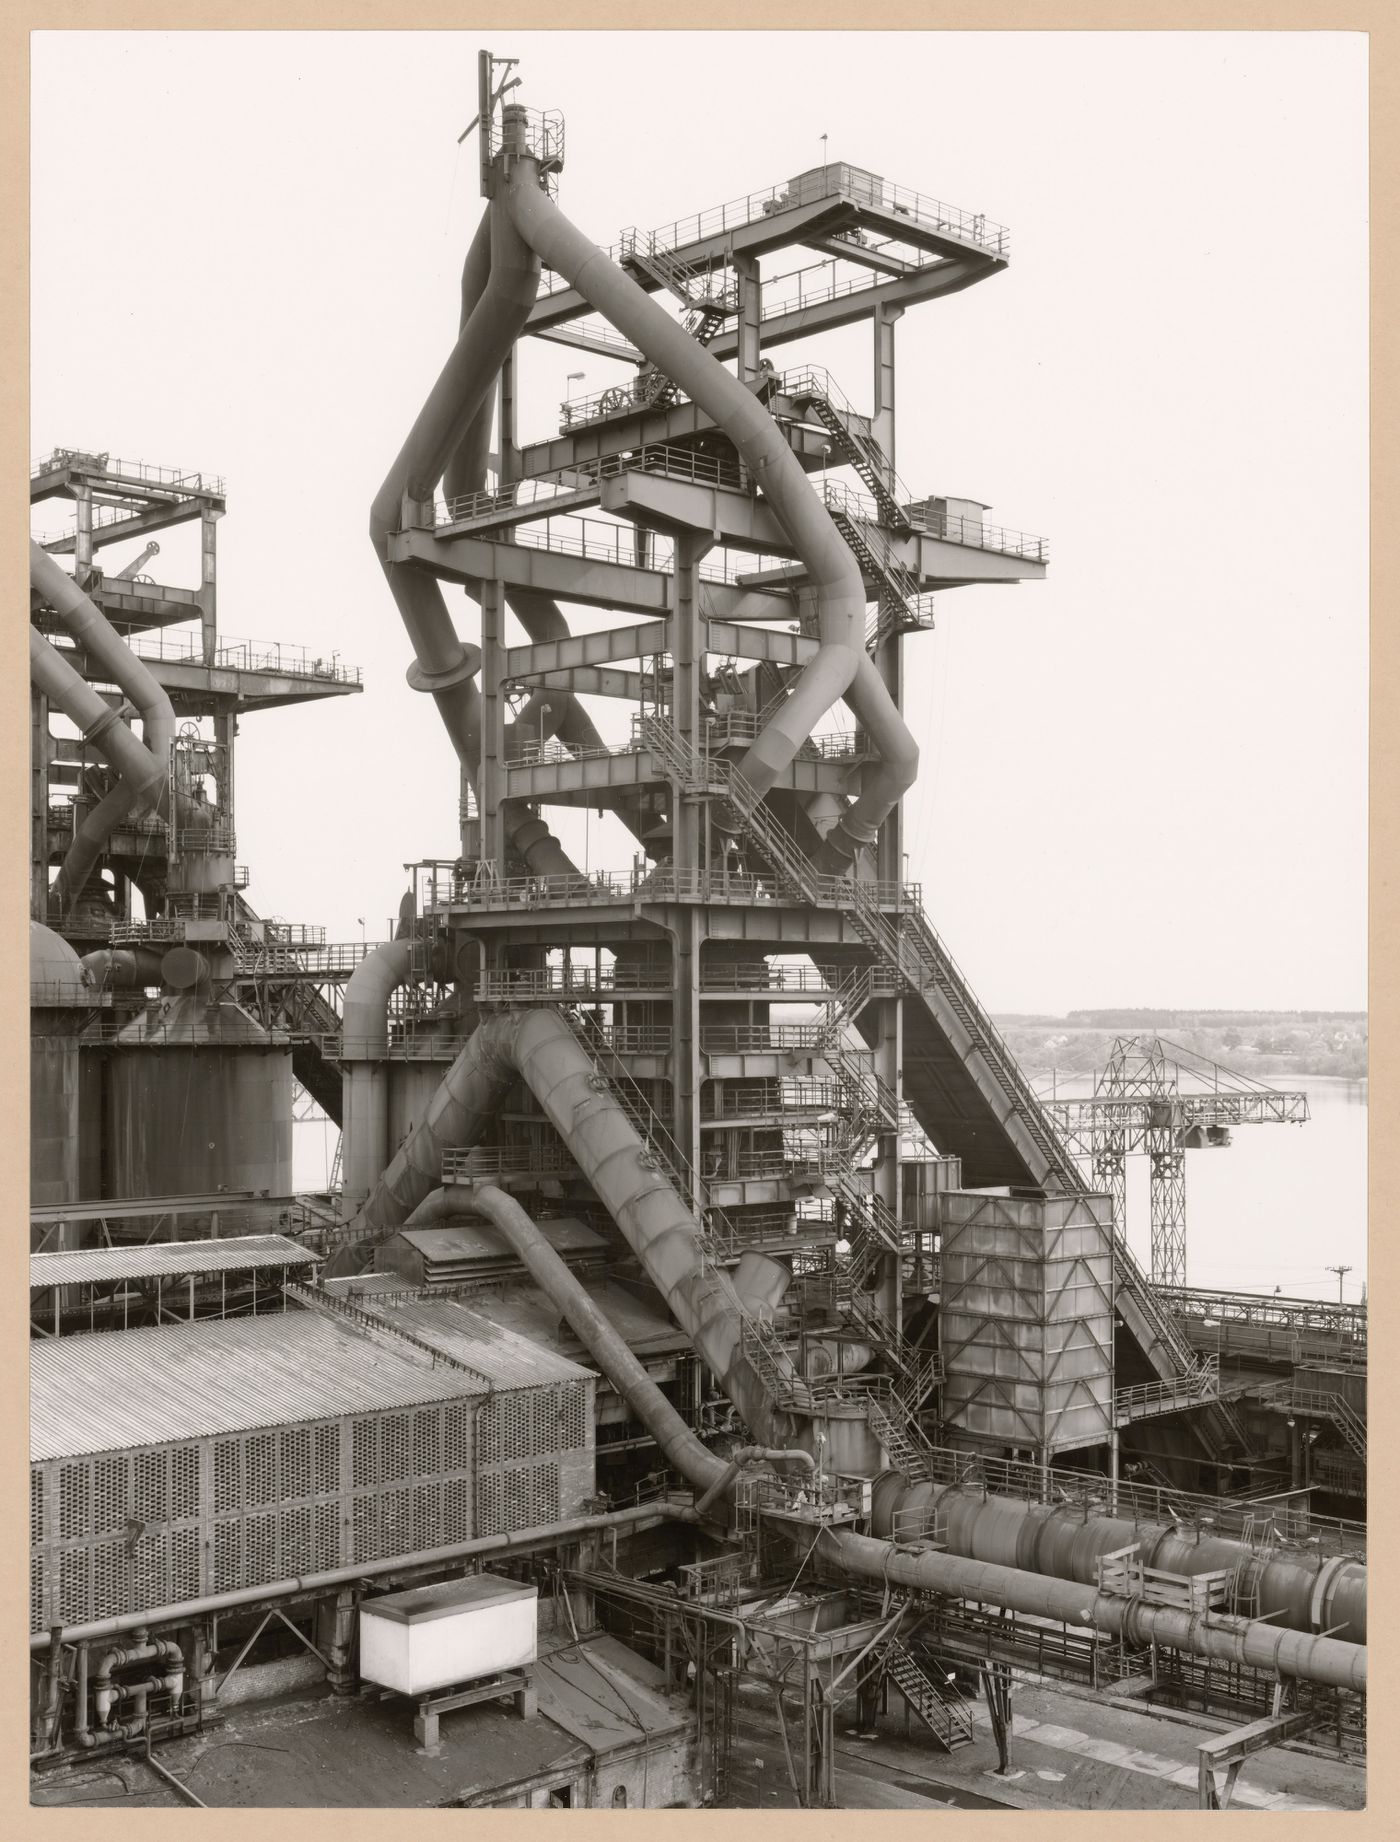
x,y
433,1637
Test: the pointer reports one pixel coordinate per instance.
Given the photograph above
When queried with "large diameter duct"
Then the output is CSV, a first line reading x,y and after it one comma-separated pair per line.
x,y
1255,1645
92,631
539,1048
465,474
831,568
443,665
1301,1590
365,1080
682,1447
142,784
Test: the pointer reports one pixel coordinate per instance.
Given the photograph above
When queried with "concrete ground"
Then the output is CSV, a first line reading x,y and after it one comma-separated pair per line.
x,y
1067,1753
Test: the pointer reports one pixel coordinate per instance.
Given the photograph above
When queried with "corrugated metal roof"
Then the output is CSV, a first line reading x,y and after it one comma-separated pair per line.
x,y
127,1388
480,1241
166,1259
507,1359
532,1313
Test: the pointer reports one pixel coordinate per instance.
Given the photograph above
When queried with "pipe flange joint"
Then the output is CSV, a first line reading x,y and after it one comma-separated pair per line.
x,y
467,666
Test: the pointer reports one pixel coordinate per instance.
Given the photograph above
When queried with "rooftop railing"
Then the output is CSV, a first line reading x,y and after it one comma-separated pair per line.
x,y
950,527
836,179
179,479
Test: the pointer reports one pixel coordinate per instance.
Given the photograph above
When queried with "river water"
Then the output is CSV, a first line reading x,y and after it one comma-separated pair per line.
x,y
1279,1205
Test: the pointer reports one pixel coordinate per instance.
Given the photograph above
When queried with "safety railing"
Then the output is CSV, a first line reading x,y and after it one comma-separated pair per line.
x,y
737,728
1094,1492
660,458
953,528
759,1038
788,1094
540,131
146,472
549,1160
1149,1400
567,982
833,180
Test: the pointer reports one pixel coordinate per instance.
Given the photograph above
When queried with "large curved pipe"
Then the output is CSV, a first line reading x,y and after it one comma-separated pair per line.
x,y
539,1048
537,612
365,1078
505,278
1256,1644
832,571
1301,1590
682,1447
92,631
142,783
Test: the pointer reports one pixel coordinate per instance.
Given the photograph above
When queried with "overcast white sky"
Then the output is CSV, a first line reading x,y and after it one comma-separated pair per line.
x,y
1144,779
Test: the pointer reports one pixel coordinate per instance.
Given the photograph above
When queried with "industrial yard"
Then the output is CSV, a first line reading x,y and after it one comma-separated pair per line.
x,y
714,1373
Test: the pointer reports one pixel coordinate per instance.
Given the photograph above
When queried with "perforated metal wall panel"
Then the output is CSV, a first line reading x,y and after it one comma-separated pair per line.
x,y
125,1531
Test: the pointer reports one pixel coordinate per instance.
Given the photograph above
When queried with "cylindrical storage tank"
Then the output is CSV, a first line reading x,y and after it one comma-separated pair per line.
x,y
199,1099
59,994
851,1447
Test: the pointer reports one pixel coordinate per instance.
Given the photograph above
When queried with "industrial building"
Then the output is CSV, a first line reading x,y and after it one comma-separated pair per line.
x,y
705,1313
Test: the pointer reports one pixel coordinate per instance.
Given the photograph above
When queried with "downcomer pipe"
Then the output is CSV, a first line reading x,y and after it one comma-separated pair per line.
x,y
142,782
831,567
1256,1645
364,1049
92,631
507,276
683,1448
539,1048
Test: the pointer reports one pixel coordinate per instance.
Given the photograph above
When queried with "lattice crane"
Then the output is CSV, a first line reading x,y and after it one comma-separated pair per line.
x,y
1141,1104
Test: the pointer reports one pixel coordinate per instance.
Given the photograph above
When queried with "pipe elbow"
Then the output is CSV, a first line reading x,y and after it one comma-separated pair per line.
x,y
365,1014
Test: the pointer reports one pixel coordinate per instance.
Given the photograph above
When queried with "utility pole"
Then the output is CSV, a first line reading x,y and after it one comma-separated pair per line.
x,y
1340,1271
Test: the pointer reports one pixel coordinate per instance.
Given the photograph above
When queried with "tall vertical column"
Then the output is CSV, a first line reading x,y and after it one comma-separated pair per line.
x,y
82,542
208,613
490,781
40,755
882,417
687,845
750,316
507,448
1168,1190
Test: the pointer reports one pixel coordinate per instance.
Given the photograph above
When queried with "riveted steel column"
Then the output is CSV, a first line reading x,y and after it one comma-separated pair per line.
x,y
490,783
882,420
208,612
750,316
687,826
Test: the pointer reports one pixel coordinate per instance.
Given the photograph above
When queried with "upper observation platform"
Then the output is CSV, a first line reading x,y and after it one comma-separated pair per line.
x,y
903,245
118,499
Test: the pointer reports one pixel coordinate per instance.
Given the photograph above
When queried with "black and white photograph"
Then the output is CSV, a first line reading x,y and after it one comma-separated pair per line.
x,y
698,1132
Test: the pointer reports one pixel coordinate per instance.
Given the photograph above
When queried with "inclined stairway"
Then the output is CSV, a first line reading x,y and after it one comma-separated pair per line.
x,y
909,947
813,388
704,312
948,1720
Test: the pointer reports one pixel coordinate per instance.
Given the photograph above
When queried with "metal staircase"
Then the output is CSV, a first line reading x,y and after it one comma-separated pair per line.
x,y
650,1128
705,312
814,387
909,947
948,1720
770,1361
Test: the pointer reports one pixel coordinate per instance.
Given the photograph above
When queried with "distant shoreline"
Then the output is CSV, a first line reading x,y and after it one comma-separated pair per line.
x,y
1268,1046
